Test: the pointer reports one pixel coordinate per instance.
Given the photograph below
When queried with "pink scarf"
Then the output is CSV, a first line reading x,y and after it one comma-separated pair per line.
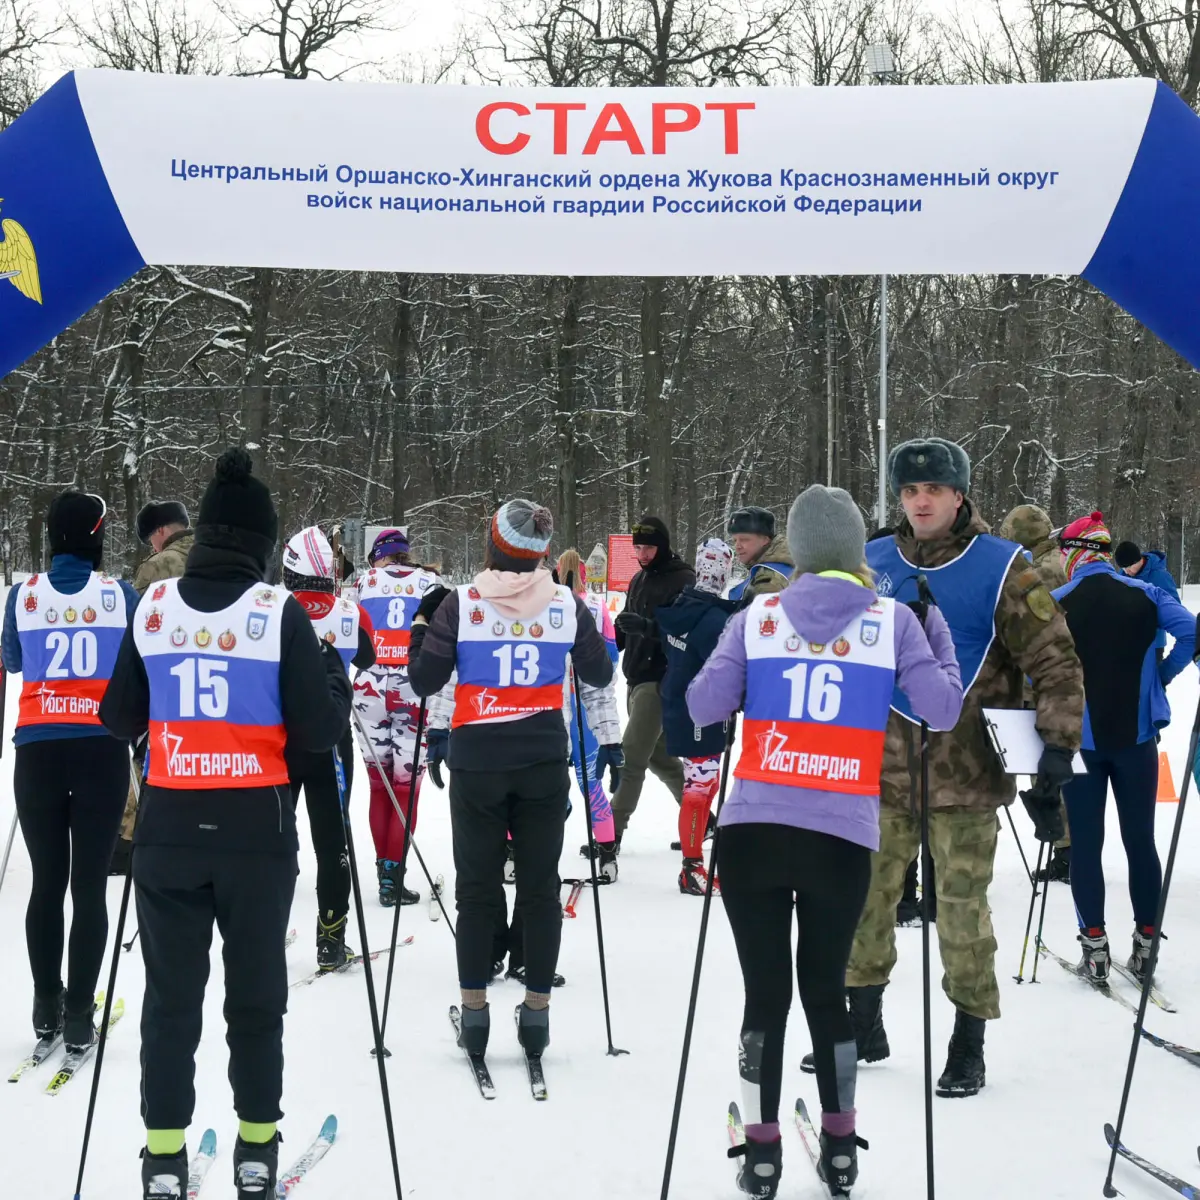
x,y
516,594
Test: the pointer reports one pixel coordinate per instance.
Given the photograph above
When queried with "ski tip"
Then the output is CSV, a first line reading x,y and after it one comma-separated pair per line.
x,y
1110,1134
802,1109
329,1129
735,1113
208,1143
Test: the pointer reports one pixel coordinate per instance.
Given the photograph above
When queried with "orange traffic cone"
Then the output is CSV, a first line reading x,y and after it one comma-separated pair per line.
x,y
1166,785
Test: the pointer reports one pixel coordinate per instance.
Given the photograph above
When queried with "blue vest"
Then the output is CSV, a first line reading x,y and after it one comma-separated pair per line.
x,y
967,591
736,593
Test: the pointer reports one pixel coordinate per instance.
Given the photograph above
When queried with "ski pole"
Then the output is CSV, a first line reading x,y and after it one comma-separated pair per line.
x,y
1037,941
1109,1190
387,785
412,792
691,1014
108,1003
591,831
923,591
380,1053
1020,848
1033,892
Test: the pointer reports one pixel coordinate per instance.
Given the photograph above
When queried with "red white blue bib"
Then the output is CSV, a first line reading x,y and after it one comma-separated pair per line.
x,y
390,599
816,712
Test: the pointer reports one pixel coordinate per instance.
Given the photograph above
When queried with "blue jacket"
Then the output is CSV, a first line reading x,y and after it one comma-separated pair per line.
x,y
689,630
68,575
1155,572
1115,621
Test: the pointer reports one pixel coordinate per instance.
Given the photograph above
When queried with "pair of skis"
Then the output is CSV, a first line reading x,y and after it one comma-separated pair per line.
x,y
1157,998
72,1061
804,1127
308,980
479,1067
205,1156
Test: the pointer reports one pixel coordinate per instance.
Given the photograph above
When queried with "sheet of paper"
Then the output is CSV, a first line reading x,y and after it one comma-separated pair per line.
x,y
1017,740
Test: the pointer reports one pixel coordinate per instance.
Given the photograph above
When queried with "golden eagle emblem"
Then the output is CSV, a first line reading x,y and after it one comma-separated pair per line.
x,y
18,262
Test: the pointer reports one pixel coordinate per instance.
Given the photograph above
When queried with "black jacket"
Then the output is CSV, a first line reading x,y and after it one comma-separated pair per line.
x,y
652,587
316,698
505,745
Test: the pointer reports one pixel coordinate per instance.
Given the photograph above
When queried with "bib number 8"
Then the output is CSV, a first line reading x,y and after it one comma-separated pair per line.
x,y
395,614
518,665
82,648
816,697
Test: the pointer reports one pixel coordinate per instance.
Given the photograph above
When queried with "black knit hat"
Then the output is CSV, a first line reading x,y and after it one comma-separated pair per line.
x,y
236,500
158,514
1127,553
752,519
651,531
75,523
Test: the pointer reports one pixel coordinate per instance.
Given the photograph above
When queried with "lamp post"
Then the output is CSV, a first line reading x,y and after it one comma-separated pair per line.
x,y
881,66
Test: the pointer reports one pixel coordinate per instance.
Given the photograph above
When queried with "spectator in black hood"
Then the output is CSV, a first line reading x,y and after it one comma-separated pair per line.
x,y
662,577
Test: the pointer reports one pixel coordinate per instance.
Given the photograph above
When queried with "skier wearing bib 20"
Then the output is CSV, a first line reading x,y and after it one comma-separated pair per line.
x,y
390,591
1005,626
508,633
225,673
61,632
816,665
308,573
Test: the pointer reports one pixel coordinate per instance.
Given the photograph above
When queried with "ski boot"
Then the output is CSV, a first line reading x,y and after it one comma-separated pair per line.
x,y
1095,961
1058,869
615,845
964,1074
497,971
838,1165
517,972
510,863
255,1166
48,1012
164,1176
332,951
122,852
606,866
693,878
476,1025
533,1029
78,1030
762,1164
866,1020
1139,960
387,883
408,896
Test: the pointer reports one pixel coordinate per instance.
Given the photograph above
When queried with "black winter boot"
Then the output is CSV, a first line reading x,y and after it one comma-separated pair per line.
x,y
48,1012
164,1176
762,1164
866,1020
255,1167
839,1161
1058,870
964,1074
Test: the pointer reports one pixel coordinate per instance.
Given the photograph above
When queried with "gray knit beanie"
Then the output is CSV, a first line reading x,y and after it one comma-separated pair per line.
x,y
825,531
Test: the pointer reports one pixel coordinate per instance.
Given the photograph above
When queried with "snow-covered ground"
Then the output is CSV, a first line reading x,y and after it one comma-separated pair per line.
x,y
1056,1059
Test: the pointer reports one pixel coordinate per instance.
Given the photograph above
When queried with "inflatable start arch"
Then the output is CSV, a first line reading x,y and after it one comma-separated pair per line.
x,y
109,171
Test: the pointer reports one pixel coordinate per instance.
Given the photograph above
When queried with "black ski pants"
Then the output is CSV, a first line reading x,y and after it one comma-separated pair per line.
x,y
70,795
484,807
314,774
181,891
769,872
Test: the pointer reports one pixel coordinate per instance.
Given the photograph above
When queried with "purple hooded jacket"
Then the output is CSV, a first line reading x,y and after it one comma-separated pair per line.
x,y
819,608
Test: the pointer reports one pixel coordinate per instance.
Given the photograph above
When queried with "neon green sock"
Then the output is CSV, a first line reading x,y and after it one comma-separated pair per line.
x,y
165,1141
250,1132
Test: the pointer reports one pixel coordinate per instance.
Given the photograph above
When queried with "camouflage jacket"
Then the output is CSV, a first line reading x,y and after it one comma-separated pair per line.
x,y
168,563
1047,562
765,581
1031,639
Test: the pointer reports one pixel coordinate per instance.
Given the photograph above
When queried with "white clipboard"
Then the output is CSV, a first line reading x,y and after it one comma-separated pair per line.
x,y
1017,741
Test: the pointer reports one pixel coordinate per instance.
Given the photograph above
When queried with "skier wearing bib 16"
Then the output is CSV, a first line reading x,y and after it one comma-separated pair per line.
x,y
390,591
308,573
816,665
61,632
508,633
225,673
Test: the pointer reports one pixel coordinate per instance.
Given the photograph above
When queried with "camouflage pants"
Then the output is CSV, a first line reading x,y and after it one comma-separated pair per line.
x,y
963,845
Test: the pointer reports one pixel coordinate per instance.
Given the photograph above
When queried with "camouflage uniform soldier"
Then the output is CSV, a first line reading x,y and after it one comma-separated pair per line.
x,y
163,525
1031,527
1005,625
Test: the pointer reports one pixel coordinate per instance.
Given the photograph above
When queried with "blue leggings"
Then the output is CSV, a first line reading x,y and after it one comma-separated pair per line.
x,y
1133,773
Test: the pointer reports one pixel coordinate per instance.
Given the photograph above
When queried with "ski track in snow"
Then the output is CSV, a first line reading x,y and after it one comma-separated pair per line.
x,y
1056,1059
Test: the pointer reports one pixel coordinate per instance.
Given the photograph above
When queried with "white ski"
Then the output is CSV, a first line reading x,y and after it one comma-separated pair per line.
x,y
201,1161
309,1159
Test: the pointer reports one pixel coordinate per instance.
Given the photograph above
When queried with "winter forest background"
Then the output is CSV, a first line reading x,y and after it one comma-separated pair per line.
x,y
428,399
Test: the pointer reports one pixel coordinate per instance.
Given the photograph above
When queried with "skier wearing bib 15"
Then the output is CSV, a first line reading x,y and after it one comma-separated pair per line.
x,y
508,633
308,573
225,673
1005,627
816,665
61,632
390,591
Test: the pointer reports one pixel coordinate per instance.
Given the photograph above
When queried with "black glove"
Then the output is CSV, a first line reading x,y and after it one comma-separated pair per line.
x,y
612,759
631,623
1043,801
436,743
921,609
430,603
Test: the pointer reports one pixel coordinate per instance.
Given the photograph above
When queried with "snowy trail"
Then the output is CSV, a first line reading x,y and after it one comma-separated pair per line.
x,y
1055,1060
